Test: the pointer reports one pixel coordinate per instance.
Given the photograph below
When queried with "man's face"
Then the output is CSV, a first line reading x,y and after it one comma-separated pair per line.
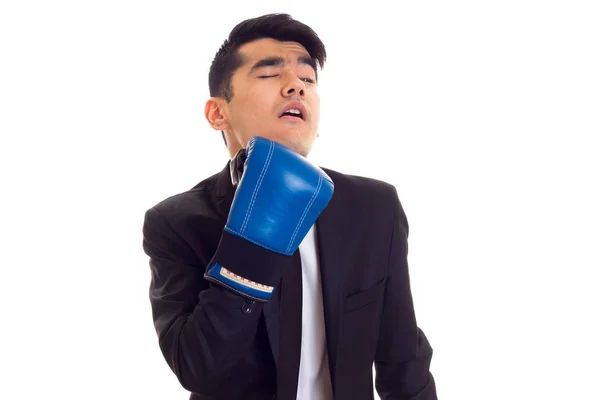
x,y
274,76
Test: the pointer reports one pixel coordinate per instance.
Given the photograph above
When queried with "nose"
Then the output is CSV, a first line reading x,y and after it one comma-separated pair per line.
x,y
294,86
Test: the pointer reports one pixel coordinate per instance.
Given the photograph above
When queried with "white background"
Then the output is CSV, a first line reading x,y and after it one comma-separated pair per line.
x,y
485,116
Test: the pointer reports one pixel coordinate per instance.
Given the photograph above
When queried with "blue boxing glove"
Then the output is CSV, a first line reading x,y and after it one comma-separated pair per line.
x,y
279,198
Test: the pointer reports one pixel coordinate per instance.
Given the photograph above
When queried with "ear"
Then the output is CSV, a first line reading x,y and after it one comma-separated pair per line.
x,y
216,113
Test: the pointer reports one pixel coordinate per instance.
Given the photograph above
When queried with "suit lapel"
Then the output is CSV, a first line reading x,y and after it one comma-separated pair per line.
x,y
224,192
329,238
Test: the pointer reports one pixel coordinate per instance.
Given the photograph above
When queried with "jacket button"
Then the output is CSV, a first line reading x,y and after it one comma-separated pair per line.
x,y
247,306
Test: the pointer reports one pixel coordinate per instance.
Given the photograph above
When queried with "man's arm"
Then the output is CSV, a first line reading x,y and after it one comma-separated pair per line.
x,y
203,329
403,353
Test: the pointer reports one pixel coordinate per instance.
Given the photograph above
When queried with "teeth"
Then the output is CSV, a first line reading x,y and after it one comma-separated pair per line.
x,y
293,111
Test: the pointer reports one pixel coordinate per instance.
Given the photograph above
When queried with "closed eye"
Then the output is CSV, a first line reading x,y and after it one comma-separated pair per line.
x,y
308,80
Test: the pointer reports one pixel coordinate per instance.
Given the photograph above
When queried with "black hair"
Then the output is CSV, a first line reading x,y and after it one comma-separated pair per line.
x,y
281,27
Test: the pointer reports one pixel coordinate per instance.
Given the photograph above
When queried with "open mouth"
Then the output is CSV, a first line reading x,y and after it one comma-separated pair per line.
x,y
293,114
292,117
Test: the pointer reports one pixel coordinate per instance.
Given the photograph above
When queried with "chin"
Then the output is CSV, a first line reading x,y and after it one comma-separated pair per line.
x,y
297,143
300,148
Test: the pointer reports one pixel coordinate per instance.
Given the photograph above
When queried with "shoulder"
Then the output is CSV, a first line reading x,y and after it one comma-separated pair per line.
x,y
364,189
195,200
371,198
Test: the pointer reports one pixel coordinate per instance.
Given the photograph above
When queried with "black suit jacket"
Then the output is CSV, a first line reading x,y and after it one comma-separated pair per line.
x,y
221,346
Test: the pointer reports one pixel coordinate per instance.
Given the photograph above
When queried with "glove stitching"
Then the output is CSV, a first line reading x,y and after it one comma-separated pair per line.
x,y
316,192
257,187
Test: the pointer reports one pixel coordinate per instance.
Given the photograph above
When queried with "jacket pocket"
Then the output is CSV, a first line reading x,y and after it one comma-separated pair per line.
x,y
364,298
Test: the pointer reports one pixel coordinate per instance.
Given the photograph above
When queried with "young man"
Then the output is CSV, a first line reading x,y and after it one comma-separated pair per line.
x,y
275,278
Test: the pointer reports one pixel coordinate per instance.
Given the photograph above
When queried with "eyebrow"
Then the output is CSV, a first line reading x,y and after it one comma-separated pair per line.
x,y
279,61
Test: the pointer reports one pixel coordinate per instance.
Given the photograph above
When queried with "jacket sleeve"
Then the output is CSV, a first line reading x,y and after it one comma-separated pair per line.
x,y
403,353
203,329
